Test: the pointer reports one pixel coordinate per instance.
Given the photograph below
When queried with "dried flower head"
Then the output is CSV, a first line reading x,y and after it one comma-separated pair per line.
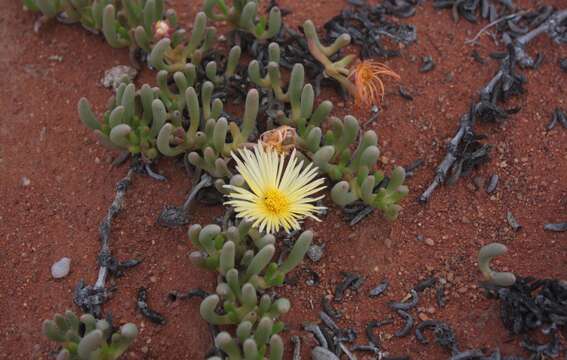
x,y
368,86
162,29
281,140
280,192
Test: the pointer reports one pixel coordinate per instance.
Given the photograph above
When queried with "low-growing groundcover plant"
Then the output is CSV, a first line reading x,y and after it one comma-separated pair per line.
x,y
87,338
270,161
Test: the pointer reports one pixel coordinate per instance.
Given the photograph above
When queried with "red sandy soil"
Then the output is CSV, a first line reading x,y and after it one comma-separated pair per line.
x,y
72,184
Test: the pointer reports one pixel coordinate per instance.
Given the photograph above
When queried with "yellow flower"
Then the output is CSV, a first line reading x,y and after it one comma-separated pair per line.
x,y
280,193
368,85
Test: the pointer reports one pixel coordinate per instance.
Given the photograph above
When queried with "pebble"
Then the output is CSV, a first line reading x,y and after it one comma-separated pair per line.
x,y
429,242
315,252
114,76
25,181
61,268
58,58
423,317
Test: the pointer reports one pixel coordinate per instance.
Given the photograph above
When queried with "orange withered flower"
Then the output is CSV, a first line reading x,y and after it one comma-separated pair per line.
x,y
281,140
368,85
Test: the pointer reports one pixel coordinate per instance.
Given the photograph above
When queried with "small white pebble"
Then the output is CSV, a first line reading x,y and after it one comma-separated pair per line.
x,y
61,268
25,181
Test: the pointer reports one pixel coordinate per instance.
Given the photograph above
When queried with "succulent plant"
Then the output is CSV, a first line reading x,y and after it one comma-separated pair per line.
x,y
174,96
354,173
133,23
211,69
485,255
243,258
362,80
224,251
173,54
252,343
338,70
243,15
272,78
132,121
207,146
95,342
124,23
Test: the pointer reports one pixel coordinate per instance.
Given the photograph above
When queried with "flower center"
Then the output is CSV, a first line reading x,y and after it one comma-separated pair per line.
x,y
275,201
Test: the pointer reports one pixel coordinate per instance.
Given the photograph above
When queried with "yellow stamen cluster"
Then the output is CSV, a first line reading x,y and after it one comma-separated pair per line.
x,y
275,201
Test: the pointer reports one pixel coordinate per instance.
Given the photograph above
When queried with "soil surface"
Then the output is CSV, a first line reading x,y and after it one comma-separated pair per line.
x,y
56,183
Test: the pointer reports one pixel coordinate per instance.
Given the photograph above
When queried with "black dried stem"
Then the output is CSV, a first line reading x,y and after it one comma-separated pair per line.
x,y
90,298
296,341
465,127
142,304
173,216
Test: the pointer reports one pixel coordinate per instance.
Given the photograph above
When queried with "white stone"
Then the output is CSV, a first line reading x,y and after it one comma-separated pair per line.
x,y
61,268
114,76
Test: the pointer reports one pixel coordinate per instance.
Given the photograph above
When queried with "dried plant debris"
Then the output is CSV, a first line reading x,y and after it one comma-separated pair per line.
x,y
426,283
531,304
368,27
427,64
443,333
173,216
331,338
296,341
465,151
374,324
440,295
476,56
405,94
505,84
445,337
413,300
536,22
543,351
409,321
321,353
411,168
514,224
469,9
329,309
379,290
558,116
177,295
90,298
350,281
558,227
142,304
492,183
356,212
